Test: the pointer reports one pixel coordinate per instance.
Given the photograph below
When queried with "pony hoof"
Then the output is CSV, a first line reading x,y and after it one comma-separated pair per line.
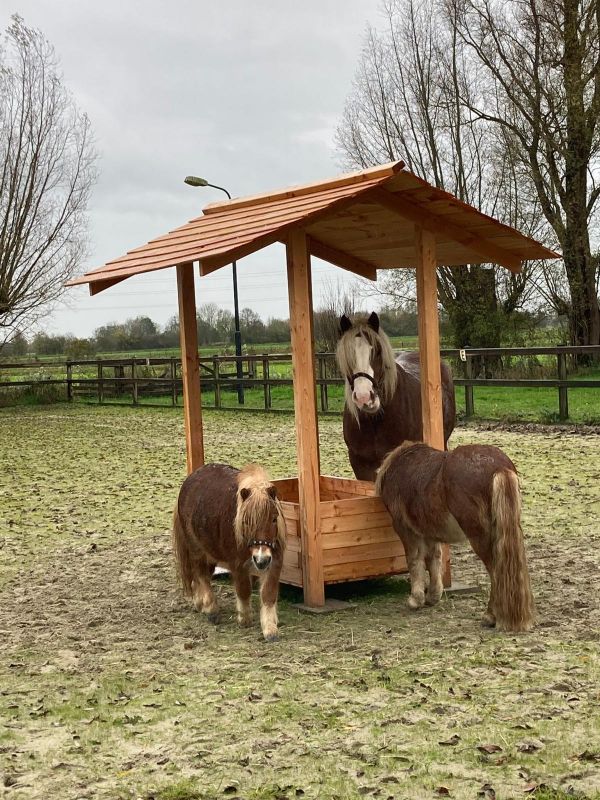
x,y
433,600
271,637
488,621
213,617
414,604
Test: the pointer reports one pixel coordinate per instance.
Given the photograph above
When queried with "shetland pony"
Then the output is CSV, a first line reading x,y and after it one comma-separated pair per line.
x,y
232,517
383,395
471,492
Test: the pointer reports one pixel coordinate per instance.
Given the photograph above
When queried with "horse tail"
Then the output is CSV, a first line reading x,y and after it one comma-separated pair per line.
x,y
513,602
182,553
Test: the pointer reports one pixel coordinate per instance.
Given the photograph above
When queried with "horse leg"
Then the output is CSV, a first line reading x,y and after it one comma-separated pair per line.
x,y
242,584
202,593
433,561
415,549
482,545
269,589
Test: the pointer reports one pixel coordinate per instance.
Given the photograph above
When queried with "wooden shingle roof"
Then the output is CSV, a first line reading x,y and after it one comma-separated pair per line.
x,y
362,222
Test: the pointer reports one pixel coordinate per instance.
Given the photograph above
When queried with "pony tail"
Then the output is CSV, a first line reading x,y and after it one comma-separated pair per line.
x,y
182,554
513,602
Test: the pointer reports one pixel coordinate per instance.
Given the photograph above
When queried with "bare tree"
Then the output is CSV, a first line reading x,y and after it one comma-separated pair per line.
x,y
335,301
410,101
538,63
46,173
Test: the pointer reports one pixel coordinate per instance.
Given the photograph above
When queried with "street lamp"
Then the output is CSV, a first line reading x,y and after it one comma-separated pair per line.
x,y
192,180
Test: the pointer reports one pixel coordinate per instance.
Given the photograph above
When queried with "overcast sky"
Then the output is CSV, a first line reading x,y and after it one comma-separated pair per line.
x,y
246,93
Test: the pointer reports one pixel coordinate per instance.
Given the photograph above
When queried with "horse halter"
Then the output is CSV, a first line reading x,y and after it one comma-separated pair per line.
x,y
262,543
352,378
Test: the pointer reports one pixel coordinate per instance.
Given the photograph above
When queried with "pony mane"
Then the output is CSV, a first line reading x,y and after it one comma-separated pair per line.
x,y
385,464
254,513
382,359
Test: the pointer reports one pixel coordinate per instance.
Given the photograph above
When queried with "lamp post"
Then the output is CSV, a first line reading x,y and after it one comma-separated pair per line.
x,y
192,180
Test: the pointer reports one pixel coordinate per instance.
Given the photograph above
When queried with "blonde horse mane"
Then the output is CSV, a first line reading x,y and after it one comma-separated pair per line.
x,y
383,361
254,512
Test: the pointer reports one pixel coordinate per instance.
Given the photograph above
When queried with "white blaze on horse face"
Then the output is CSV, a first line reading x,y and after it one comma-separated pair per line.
x,y
364,395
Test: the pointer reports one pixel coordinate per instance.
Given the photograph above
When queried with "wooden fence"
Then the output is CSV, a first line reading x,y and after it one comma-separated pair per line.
x,y
133,380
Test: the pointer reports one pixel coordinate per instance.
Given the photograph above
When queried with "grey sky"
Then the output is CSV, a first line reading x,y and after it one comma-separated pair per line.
x,y
246,93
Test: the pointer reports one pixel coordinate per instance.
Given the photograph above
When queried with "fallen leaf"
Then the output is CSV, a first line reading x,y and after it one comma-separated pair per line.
x,y
589,755
530,746
442,791
487,791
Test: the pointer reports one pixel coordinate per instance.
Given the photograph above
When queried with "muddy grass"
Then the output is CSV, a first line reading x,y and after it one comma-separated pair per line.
x,y
112,687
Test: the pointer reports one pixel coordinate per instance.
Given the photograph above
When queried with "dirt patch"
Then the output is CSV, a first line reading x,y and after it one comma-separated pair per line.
x,y
112,687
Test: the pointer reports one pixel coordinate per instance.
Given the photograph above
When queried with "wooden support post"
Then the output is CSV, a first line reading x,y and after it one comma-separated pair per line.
x,y
217,379
469,396
174,381
134,385
69,381
266,386
190,367
323,385
100,382
305,407
563,392
429,350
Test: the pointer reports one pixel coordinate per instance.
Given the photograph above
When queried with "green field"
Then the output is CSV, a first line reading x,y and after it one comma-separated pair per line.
x,y
113,688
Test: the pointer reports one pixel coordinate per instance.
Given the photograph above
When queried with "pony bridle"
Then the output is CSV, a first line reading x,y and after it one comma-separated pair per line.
x,y
262,543
355,375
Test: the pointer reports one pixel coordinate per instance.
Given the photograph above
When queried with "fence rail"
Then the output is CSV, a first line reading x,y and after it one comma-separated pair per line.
x,y
109,379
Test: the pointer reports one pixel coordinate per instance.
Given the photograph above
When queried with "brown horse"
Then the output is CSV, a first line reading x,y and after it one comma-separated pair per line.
x,y
232,517
473,491
383,395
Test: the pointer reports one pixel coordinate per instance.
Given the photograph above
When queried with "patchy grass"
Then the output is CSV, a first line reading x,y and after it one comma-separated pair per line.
x,y
112,687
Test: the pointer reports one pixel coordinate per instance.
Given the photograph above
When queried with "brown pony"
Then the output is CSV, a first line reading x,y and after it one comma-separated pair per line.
x,y
383,395
473,491
232,517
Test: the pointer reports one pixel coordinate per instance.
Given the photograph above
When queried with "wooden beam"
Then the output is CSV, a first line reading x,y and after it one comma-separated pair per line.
x,y
429,352
96,287
305,407
486,249
190,367
341,259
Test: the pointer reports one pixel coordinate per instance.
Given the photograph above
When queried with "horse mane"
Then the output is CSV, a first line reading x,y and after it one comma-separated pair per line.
x,y
384,362
253,513
385,464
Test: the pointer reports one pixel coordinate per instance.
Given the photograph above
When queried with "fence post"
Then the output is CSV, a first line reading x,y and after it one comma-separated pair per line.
x,y
217,379
134,386
323,386
100,382
469,396
563,392
69,381
266,378
173,381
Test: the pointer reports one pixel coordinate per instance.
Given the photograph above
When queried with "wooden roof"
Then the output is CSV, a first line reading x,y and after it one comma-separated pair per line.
x,y
362,222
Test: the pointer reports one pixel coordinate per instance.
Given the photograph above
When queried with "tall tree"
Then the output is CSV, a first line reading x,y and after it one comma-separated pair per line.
x,y
407,103
538,63
46,173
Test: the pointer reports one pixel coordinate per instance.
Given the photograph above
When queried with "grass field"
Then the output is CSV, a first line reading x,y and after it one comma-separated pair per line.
x,y
111,687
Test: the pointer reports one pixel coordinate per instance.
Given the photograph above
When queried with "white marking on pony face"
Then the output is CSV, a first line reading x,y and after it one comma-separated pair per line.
x,y
262,557
363,395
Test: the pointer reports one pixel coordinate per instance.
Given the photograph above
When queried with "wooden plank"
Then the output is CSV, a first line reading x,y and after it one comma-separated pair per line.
x,y
357,505
364,552
354,538
362,488
373,568
438,225
190,367
352,179
429,351
341,259
353,522
305,407
291,575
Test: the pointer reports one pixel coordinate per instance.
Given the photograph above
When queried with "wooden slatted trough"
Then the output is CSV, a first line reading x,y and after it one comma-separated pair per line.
x,y
379,218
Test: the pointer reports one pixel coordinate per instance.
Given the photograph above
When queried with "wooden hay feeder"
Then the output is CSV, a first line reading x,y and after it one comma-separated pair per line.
x,y
379,218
